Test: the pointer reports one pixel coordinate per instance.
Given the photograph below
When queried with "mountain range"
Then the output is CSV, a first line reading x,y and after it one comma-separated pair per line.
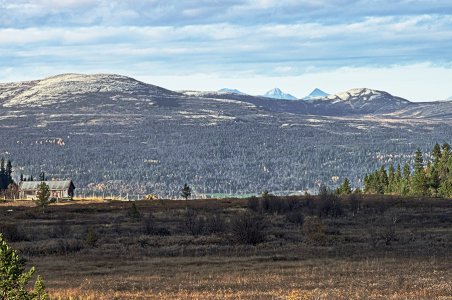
x,y
112,133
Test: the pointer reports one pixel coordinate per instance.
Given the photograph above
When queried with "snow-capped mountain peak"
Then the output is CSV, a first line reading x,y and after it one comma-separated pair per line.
x,y
276,93
316,93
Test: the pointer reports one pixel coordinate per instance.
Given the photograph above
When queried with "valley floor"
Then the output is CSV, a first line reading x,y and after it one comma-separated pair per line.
x,y
390,248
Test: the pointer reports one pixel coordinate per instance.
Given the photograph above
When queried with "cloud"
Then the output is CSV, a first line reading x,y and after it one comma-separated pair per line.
x,y
228,38
28,13
377,41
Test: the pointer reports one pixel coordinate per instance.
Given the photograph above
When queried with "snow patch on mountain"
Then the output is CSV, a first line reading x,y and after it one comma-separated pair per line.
x,y
70,87
231,91
276,93
362,100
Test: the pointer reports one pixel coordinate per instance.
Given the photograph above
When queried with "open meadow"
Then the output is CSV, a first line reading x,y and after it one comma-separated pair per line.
x,y
355,247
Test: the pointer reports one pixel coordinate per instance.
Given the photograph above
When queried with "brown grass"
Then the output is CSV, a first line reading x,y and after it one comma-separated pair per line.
x,y
353,261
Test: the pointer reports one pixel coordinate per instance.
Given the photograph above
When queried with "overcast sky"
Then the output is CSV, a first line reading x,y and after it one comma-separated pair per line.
x,y
403,47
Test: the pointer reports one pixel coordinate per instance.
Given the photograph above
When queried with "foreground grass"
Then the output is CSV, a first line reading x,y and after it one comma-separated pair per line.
x,y
346,263
257,277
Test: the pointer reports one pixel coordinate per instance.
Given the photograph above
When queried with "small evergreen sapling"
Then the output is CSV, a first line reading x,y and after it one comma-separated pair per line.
x,y
14,278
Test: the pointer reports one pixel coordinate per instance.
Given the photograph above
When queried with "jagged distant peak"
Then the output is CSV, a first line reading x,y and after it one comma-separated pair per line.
x,y
231,91
276,93
316,93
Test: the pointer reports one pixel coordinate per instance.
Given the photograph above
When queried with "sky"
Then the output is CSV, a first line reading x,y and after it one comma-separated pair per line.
x,y
403,47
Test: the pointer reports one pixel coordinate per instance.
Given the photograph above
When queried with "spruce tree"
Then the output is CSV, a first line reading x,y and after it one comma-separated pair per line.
x,y
436,153
383,180
43,196
419,185
3,177
442,167
406,180
398,180
344,188
9,172
445,187
391,179
186,191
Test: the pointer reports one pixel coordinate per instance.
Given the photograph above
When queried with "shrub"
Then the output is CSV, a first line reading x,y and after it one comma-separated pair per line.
x,y
133,212
12,233
62,229
295,217
193,223
273,204
248,228
355,203
254,204
314,229
68,246
150,227
383,230
215,224
91,237
329,203
149,224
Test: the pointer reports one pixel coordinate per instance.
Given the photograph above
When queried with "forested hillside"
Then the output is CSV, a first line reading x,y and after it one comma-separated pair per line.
x,y
425,178
113,134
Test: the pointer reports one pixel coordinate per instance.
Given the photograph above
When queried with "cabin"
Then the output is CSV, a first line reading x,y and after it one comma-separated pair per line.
x,y
59,189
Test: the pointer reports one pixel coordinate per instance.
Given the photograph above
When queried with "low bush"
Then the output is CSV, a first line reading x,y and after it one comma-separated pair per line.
x,y
193,223
295,217
91,237
328,204
62,229
314,229
248,228
254,204
355,201
150,226
12,233
133,212
383,230
215,224
273,204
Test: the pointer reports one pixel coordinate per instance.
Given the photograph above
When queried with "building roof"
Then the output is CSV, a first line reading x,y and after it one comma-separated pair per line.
x,y
53,185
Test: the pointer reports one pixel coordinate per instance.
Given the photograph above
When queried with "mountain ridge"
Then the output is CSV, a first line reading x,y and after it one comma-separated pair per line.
x,y
114,133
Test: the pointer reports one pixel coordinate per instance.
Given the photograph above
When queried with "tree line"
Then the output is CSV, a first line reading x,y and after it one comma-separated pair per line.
x,y
430,178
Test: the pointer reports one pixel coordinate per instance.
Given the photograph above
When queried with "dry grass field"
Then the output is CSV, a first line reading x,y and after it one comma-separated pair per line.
x,y
275,248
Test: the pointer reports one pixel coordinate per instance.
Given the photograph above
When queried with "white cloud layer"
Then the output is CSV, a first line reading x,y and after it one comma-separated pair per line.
x,y
264,40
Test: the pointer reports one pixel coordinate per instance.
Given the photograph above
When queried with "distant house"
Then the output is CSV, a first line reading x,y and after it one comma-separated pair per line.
x,y
59,189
